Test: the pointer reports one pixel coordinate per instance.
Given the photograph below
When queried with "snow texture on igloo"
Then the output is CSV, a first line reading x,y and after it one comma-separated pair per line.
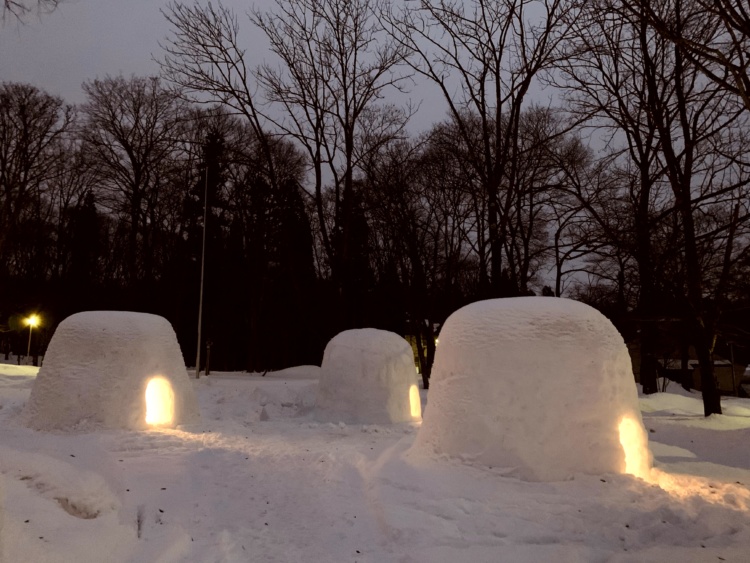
x,y
367,377
2,517
97,369
540,385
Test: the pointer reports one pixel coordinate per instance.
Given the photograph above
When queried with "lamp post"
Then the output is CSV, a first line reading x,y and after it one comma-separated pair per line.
x,y
203,267
32,321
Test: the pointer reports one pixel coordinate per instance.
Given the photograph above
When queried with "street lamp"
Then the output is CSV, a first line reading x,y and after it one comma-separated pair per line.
x,y
32,321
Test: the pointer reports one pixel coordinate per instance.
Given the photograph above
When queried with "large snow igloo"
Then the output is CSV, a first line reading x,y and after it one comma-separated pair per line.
x,y
112,369
541,385
368,377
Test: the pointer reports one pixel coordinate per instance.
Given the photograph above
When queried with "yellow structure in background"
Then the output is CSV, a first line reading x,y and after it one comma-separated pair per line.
x,y
159,402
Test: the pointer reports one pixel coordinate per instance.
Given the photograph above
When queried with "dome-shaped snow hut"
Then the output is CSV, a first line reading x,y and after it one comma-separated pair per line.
x,y
538,384
368,377
112,369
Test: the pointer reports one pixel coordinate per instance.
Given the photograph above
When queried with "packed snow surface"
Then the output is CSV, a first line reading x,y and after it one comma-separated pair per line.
x,y
98,368
368,377
538,386
258,480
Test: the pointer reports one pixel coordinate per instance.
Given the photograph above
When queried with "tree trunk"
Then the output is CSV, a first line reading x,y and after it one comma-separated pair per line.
x,y
685,373
648,358
709,387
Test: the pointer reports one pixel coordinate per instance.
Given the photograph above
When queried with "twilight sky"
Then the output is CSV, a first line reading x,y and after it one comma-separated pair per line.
x,y
86,39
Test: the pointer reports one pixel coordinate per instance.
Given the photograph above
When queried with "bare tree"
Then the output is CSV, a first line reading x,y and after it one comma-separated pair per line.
x,y
337,63
570,227
130,131
604,68
300,87
73,179
203,57
681,159
692,124
20,9
32,123
484,57
712,34
458,196
545,149
402,219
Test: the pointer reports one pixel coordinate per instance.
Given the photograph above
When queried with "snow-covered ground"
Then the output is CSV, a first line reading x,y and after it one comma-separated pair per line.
x,y
258,480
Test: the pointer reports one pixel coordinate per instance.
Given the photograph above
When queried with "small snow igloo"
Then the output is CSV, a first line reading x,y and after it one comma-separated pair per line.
x,y
368,377
112,369
541,385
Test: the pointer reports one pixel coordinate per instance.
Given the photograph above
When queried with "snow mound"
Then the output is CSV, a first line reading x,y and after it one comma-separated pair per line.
x,y
367,377
538,384
2,517
101,366
83,494
296,372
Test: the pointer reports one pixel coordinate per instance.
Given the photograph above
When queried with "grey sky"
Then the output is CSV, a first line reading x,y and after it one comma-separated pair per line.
x,y
86,39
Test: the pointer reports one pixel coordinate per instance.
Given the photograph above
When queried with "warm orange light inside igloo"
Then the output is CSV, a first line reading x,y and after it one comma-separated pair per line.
x,y
415,403
635,445
159,402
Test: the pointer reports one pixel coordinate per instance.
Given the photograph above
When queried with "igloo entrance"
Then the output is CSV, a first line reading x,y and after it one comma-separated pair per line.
x,y
415,402
159,402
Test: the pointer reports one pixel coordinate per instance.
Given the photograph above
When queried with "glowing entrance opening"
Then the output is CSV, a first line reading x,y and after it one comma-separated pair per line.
x,y
159,402
415,403
634,443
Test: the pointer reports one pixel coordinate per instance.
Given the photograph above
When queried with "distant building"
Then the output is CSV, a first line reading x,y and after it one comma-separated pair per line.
x,y
731,378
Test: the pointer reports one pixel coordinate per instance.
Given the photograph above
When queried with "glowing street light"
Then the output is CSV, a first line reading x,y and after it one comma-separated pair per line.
x,y
32,321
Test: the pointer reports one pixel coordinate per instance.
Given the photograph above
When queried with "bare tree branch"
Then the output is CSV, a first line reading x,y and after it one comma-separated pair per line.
x,y
713,34
203,57
19,10
484,56
337,64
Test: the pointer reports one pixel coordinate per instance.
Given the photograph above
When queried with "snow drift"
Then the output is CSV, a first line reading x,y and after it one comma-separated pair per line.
x,y
2,517
102,367
537,384
368,377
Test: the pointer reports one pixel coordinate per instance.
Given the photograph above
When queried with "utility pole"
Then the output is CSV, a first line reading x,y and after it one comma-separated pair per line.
x,y
203,267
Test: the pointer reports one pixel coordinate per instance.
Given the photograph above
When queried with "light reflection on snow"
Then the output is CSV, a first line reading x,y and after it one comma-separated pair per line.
x,y
159,402
682,487
685,487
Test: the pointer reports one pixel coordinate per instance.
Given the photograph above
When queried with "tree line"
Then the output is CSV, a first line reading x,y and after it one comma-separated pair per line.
x,y
624,186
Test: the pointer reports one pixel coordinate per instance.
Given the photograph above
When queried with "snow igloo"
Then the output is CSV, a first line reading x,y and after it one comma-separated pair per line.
x,y
2,517
368,377
540,385
112,369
